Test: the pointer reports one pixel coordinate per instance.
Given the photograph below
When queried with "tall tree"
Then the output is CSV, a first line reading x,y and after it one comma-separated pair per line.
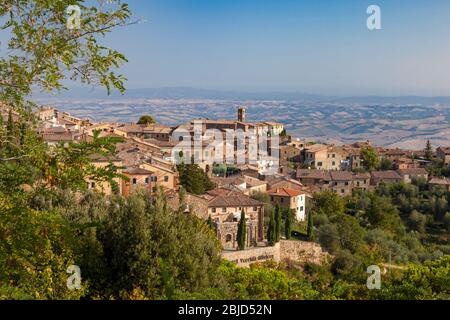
x,y
242,231
310,229
370,158
271,229
428,151
210,222
45,48
288,224
278,222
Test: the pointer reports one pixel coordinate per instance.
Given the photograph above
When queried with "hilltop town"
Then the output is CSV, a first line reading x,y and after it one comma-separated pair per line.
x,y
287,171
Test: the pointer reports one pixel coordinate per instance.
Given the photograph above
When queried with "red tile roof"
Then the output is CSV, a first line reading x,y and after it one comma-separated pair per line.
x,y
284,192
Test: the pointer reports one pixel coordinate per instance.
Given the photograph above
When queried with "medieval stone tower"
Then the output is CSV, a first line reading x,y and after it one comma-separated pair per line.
x,y
241,114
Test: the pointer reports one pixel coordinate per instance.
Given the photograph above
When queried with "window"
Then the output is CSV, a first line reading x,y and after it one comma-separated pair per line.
x,y
333,156
346,183
357,183
255,208
224,209
271,198
134,181
92,185
213,210
146,180
228,238
319,164
154,189
154,178
166,178
301,208
342,191
281,199
333,163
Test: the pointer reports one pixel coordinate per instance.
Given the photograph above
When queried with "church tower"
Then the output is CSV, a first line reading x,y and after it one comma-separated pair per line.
x,y
241,114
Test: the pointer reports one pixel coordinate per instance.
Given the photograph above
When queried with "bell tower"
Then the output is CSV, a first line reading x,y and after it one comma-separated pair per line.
x,y
241,114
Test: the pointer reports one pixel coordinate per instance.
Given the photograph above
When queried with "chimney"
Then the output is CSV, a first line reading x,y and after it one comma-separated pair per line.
x,y
241,114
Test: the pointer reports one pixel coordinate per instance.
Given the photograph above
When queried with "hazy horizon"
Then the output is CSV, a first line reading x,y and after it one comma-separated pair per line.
x,y
318,47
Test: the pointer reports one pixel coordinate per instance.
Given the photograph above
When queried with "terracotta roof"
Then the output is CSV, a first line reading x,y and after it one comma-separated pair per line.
x,y
53,130
137,171
445,150
313,174
440,181
221,181
101,158
284,192
388,174
316,147
56,137
131,128
341,175
160,143
253,182
395,152
273,124
412,171
228,198
361,175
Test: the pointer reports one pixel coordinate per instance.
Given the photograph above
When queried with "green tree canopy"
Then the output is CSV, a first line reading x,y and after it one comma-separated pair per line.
x,y
44,51
370,158
146,119
194,179
242,231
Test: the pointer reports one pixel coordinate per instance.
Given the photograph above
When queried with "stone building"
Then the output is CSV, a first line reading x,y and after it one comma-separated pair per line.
x,y
443,153
138,179
440,182
341,182
105,187
289,199
224,206
414,173
388,176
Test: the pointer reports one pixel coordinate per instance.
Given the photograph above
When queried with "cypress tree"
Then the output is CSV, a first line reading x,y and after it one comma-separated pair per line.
x,y
428,151
210,222
288,224
278,222
241,234
310,230
271,229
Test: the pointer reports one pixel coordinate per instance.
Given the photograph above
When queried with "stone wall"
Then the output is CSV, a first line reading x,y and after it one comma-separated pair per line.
x,y
300,251
244,258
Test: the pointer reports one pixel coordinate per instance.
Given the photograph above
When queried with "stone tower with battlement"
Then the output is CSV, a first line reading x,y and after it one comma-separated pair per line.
x,y
241,114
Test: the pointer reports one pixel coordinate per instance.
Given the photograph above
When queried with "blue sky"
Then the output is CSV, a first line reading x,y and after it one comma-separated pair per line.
x,y
316,46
